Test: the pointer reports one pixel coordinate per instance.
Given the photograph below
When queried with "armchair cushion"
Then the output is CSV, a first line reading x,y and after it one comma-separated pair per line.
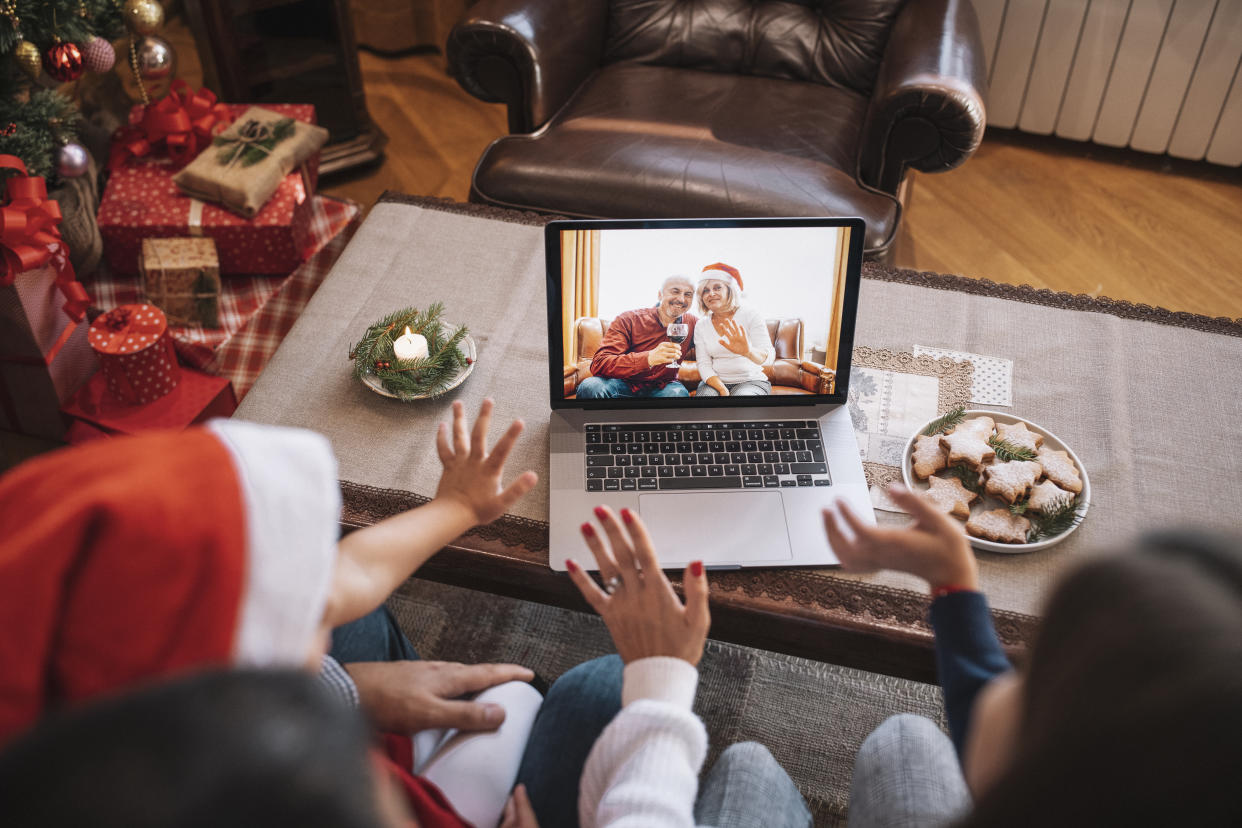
x,y
836,43
799,142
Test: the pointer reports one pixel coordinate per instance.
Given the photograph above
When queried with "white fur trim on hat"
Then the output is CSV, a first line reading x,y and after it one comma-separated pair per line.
x,y
720,276
293,506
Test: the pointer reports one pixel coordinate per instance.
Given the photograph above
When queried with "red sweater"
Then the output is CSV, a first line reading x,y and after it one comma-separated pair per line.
x,y
623,352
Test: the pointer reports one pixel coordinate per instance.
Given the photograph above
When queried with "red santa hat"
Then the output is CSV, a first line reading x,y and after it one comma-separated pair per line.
x,y
724,273
135,558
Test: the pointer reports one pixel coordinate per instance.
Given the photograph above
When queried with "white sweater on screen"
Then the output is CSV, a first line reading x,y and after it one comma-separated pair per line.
x,y
644,768
715,359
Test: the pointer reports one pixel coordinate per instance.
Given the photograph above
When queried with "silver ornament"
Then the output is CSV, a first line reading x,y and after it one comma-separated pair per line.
x,y
73,160
156,59
143,17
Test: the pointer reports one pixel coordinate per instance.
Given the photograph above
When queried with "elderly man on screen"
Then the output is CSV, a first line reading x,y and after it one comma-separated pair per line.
x,y
636,357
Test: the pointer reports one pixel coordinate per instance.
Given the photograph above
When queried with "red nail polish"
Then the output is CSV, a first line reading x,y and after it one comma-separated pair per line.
x,y
599,512
696,568
588,530
627,515
571,566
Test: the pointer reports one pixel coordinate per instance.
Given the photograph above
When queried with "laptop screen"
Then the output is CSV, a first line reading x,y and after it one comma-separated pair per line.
x,y
701,312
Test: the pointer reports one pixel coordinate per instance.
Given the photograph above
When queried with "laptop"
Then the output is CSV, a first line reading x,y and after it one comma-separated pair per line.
x,y
735,479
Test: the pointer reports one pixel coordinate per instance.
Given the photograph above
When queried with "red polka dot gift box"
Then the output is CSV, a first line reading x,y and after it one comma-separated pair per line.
x,y
141,201
135,353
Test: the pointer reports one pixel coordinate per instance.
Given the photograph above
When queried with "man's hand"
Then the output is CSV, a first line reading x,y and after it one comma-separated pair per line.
x,y
733,337
663,354
934,547
471,475
409,696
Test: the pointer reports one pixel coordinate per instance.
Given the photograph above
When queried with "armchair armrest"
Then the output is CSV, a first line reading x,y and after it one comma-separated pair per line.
x,y
571,380
816,378
528,54
927,108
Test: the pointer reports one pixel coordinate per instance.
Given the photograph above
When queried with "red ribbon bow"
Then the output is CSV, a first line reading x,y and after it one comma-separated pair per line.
x,y
30,238
184,121
118,325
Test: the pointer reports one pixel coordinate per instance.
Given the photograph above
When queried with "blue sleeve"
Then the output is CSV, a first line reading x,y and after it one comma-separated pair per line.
x,y
968,655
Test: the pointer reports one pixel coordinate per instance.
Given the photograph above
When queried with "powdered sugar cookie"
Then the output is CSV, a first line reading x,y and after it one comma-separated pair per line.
x,y
928,457
1018,434
1010,481
981,427
1045,495
1060,469
967,447
999,525
950,496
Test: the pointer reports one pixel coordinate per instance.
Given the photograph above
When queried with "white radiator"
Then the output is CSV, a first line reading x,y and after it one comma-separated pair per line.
x,y
1153,75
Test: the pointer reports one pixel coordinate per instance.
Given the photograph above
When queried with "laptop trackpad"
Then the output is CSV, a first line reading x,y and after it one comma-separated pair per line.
x,y
716,527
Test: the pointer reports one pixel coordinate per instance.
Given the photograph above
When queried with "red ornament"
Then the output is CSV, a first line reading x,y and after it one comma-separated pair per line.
x,y
63,62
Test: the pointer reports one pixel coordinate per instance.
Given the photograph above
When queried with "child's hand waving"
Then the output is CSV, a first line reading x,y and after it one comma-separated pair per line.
x,y
472,476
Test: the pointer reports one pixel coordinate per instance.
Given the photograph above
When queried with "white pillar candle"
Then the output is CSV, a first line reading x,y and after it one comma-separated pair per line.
x,y
410,347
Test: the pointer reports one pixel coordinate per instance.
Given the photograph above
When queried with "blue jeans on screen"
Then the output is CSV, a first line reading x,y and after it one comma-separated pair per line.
x,y
604,388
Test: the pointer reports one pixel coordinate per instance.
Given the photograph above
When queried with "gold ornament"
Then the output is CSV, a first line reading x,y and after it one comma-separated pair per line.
x,y
143,17
29,58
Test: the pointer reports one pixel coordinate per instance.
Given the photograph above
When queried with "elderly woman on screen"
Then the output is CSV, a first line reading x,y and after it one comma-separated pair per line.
x,y
732,343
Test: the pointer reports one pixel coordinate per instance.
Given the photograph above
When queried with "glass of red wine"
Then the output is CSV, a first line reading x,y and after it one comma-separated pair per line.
x,y
677,332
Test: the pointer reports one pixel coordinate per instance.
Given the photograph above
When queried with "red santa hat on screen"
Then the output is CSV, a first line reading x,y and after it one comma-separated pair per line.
x,y
134,558
724,273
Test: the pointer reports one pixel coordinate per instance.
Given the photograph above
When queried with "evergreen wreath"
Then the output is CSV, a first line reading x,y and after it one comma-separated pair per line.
x,y
411,379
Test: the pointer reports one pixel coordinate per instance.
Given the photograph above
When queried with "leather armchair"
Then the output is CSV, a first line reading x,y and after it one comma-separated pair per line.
x,y
789,373
665,108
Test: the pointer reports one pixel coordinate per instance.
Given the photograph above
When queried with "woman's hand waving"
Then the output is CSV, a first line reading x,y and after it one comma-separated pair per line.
x,y
732,336
643,613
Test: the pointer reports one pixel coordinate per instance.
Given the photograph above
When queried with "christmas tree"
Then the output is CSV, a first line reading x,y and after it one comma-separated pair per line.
x,y
45,43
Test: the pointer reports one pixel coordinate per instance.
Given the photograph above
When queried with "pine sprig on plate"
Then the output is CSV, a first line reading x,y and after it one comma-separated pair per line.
x,y
1006,451
411,379
945,422
1059,517
968,476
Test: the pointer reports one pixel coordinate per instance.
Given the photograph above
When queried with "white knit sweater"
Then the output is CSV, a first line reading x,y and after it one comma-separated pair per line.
x,y
644,768
714,358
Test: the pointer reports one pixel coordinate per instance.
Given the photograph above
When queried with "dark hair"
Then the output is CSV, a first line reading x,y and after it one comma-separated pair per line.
x,y
235,748
1132,703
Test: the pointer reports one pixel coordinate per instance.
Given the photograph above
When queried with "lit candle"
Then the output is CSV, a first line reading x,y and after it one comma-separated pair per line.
x,y
410,347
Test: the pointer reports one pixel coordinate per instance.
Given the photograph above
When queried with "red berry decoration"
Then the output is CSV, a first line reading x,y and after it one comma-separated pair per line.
x,y
469,361
63,62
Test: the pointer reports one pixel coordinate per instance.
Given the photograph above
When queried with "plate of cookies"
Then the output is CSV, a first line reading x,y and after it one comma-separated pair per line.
x,y
1015,485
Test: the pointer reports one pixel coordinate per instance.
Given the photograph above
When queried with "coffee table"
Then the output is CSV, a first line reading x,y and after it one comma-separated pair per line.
x,y
1144,396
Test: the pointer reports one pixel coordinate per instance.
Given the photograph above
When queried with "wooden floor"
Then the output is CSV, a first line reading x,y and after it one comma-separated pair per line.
x,y
1023,209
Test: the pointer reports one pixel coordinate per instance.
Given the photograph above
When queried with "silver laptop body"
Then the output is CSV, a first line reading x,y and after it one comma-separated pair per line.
x,y
749,475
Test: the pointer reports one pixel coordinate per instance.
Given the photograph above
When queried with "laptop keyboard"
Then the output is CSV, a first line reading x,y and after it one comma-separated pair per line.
x,y
717,455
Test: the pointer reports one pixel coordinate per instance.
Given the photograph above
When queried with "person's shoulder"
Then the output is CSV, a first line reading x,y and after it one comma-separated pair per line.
x,y
633,315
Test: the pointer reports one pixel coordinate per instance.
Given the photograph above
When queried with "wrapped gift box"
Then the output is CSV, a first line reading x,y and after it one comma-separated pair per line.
x,y
197,398
255,311
36,375
182,278
141,201
135,353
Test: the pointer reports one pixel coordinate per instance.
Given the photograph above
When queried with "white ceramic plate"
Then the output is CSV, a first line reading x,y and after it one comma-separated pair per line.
x,y
466,346
987,502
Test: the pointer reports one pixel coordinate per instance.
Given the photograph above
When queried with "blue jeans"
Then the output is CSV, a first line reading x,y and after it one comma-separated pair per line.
x,y
750,388
373,637
603,388
746,787
907,776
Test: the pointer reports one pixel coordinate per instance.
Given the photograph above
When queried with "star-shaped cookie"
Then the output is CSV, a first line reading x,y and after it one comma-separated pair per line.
x,y
999,525
927,457
968,448
981,427
1059,468
1019,435
1010,481
950,496
1045,495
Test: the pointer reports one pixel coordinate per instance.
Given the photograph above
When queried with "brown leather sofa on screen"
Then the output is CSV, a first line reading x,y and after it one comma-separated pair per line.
x,y
789,374
671,108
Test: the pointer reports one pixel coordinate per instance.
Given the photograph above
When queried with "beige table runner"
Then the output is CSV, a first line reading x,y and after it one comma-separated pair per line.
x,y
1145,397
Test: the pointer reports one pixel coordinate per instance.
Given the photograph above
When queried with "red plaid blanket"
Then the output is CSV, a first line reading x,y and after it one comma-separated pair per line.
x,y
255,311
